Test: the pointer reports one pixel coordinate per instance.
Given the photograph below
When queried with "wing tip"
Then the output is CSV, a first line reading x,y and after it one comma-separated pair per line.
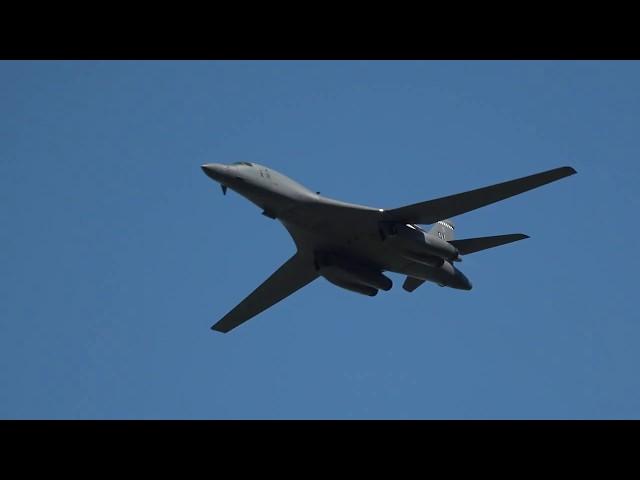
x,y
218,328
568,170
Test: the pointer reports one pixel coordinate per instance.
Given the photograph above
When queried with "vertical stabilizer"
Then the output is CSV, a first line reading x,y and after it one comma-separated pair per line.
x,y
443,229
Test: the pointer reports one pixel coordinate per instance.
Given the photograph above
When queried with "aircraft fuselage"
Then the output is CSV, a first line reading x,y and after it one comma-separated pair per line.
x,y
322,226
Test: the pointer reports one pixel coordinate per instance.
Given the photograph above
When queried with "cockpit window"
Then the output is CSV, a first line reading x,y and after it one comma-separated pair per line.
x,y
248,164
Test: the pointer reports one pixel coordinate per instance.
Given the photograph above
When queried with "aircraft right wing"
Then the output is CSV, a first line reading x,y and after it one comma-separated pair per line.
x,y
294,274
434,210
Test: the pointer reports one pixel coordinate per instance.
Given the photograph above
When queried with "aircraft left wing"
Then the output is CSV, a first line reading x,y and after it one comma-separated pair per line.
x,y
294,274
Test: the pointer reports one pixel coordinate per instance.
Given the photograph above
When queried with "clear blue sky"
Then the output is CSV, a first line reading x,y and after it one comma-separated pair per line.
x,y
118,253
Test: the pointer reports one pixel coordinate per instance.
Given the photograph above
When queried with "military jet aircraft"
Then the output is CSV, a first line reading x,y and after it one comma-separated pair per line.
x,y
352,245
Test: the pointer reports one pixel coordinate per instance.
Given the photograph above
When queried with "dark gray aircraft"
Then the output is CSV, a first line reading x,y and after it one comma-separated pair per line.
x,y
351,245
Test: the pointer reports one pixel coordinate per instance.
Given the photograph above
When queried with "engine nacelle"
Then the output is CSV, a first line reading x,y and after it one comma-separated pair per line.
x,y
416,243
345,273
428,260
353,287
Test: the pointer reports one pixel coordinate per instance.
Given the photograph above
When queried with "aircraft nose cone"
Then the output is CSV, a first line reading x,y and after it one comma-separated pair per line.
x,y
214,170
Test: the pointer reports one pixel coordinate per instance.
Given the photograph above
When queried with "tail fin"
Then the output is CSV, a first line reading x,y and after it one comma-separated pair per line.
x,y
443,229
472,245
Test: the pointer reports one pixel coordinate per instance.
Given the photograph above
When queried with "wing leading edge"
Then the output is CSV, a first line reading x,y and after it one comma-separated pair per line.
x,y
446,207
294,274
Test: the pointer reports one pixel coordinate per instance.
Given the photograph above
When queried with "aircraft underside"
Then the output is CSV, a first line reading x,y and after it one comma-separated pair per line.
x,y
357,255
353,245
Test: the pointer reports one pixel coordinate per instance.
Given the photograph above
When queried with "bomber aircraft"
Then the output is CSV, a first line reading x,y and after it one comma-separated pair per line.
x,y
352,245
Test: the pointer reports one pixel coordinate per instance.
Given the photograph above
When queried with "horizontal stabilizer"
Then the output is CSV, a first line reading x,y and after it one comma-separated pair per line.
x,y
472,245
433,210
